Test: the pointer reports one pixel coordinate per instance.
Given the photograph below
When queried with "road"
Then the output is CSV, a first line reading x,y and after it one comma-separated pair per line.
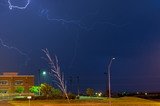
x,y
5,103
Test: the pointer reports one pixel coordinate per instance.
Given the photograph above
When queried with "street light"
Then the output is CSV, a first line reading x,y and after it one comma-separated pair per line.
x,y
43,73
109,78
29,98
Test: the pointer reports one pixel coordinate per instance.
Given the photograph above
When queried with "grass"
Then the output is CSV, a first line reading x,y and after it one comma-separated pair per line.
x,y
125,101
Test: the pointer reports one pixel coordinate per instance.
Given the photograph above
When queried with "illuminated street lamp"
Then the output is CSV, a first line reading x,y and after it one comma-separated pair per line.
x,y
29,98
109,77
43,73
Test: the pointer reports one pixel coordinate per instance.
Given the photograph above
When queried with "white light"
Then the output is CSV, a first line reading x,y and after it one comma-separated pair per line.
x,y
100,94
44,73
146,93
29,97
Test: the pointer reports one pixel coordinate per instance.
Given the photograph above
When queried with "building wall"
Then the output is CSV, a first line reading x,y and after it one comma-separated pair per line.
x,y
9,83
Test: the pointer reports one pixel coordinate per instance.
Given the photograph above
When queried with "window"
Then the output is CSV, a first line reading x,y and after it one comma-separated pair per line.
x,y
3,91
18,82
3,82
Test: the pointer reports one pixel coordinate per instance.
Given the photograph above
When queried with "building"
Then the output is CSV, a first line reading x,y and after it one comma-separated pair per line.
x,y
9,81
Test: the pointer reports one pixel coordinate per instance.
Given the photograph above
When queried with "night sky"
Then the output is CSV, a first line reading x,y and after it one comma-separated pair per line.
x,y
85,35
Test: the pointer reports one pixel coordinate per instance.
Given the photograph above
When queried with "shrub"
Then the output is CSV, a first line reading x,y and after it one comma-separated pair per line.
x,y
71,96
46,90
34,89
57,94
19,89
90,91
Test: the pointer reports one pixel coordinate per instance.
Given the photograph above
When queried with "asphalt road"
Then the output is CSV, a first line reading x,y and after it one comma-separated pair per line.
x,y
5,103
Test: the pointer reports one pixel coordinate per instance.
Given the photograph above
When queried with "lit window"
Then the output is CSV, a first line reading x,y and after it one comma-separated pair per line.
x,y
3,82
18,82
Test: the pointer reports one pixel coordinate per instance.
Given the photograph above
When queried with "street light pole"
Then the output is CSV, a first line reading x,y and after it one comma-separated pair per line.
x,y
109,77
29,98
78,85
43,72
39,81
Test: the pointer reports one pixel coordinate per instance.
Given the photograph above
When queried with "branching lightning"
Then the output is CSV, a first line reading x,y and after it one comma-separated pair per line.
x,y
74,51
79,22
16,49
45,12
81,26
11,6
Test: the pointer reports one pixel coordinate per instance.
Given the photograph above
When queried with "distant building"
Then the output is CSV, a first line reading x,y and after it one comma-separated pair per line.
x,y
9,81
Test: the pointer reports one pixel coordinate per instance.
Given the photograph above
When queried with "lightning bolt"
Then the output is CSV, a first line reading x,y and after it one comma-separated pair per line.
x,y
45,12
11,6
80,22
81,25
17,50
74,51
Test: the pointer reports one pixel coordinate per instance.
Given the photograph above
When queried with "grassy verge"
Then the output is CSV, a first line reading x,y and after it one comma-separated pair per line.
x,y
125,101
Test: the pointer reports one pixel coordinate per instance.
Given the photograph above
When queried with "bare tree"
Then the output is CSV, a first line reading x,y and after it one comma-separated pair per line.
x,y
56,72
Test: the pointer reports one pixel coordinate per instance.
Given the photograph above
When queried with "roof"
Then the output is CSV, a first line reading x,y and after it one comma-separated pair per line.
x,y
14,74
